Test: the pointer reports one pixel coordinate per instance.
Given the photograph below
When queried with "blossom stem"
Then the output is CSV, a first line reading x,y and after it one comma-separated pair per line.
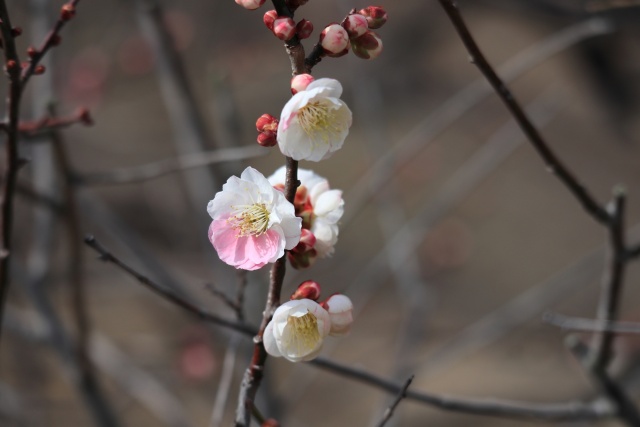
x,y
253,375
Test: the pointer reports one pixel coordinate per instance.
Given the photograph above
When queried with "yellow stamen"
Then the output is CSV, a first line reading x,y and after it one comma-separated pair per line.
x,y
251,220
304,335
319,119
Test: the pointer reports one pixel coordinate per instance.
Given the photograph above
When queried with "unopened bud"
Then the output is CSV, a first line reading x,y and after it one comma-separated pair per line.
x,y
270,423
304,29
334,40
31,51
40,69
85,117
250,4
16,31
267,138
307,290
367,46
269,17
340,310
11,64
67,12
355,24
376,16
284,28
299,260
267,122
300,82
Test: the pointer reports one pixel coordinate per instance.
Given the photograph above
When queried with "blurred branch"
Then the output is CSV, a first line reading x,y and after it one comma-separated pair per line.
x,y
603,5
554,164
48,124
581,324
168,166
490,407
52,39
389,412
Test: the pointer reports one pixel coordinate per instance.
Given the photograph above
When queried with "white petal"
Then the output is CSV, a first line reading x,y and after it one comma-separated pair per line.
x,y
328,203
330,87
269,341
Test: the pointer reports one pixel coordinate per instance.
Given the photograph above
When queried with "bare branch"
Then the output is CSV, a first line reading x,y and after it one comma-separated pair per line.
x,y
581,324
389,412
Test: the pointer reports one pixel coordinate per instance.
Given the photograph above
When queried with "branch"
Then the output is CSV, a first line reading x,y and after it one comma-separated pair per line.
x,y
49,123
164,167
581,324
554,164
491,407
403,394
52,39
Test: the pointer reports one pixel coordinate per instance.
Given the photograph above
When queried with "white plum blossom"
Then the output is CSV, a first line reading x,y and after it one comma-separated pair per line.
x,y
340,309
297,330
326,204
253,223
315,122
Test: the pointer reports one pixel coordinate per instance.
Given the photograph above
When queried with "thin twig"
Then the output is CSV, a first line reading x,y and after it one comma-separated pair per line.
x,y
403,394
581,324
490,407
48,124
554,164
12,164
164,167
52,39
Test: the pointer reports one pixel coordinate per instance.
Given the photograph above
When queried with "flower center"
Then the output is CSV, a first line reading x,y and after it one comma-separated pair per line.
x,y
304,335
251,220
319,119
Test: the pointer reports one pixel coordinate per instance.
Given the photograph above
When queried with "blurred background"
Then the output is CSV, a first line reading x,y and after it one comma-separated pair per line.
x,y
455,238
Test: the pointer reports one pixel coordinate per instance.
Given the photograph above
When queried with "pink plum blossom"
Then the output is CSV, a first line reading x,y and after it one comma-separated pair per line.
x,y
253,223
315,122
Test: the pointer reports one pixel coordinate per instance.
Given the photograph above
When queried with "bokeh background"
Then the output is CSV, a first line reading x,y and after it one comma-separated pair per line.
x,y
455,239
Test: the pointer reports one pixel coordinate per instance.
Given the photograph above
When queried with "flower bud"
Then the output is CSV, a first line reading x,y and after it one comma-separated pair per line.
x,y
307,290
67,12
267,138
284,28
355,24
340,310
334,40
300,82
84,116
306,243
304,29
250,4
267,122
270,423
40,69
31,51
16,31
367,46
269,17
300,260
300,199
376,16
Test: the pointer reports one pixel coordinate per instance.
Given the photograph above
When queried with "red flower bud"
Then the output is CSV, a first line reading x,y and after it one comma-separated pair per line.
x,y
334,40
267,138
376,16
269,17
85,117
67,12
355,24
307,290
267,122
304,29
31,51
300,82
16,31
367,46
284,28
40,69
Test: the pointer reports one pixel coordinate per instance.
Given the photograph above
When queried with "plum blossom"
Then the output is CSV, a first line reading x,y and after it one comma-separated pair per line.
x,y
253,223
315,122
297,330
320,207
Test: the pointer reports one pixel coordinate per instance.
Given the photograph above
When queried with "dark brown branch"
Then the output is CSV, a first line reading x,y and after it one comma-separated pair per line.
x,y
403,394
52,39
580,324
49,123
554,164
254,373
12,162
490,407
608,306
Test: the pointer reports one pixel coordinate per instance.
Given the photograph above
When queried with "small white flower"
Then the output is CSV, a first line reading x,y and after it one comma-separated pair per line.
x,y
253,223
340,310
327,205
315,122
297,330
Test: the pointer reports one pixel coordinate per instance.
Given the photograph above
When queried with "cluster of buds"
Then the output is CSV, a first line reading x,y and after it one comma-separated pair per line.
x,y
355,32
267,127
286,28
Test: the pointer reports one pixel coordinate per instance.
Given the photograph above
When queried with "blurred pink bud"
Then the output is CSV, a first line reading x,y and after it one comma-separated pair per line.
x,y
250,4
269,17
376,16
300,260
334,40
307,290
304,29
300,82
306,243
270,423
267,122
267,138
355,24
367,46
284,28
